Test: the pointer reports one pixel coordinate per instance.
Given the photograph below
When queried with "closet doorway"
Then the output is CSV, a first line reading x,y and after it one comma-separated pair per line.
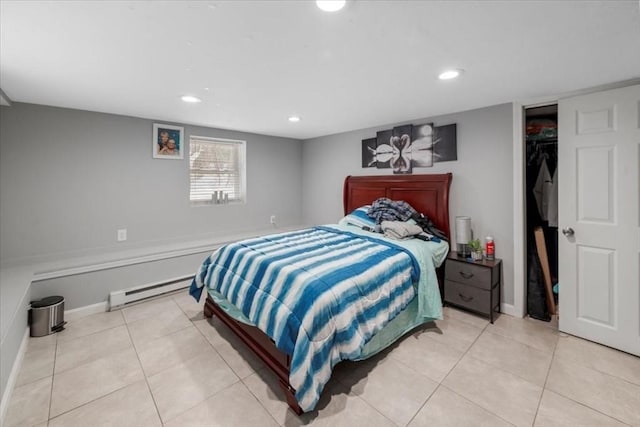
x,y
593,252
541,210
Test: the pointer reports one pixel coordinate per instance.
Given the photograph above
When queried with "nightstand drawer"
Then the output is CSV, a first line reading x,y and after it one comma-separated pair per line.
x,y
470,297
469,274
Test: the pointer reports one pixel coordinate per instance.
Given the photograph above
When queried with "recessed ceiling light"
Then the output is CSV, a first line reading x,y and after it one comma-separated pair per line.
x,y
189,98
294,119
449,74
330,5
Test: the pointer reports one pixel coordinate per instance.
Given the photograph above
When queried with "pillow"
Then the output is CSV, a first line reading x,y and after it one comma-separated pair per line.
x,y
359,218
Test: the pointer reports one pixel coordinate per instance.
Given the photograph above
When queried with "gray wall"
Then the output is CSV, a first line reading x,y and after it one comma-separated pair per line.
x,y
482,184
69,179
80,290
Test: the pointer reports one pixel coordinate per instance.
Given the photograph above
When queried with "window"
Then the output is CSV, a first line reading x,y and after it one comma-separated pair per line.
x,y
216,167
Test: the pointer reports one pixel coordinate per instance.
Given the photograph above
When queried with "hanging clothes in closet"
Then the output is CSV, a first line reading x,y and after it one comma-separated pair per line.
x,y
545,191
542,203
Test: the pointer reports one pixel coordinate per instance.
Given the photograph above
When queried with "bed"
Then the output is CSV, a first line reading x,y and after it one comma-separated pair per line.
x,y
409,300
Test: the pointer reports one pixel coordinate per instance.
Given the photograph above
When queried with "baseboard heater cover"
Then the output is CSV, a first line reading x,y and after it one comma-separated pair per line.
x,y
119,299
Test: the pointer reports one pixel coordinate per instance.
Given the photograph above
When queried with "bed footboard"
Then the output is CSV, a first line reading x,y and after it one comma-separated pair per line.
x,y
262,346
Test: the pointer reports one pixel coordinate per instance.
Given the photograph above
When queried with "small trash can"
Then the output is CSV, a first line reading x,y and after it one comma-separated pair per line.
x,y
46,316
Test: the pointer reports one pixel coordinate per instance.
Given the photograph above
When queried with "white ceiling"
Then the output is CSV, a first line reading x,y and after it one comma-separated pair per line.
x,y
255,63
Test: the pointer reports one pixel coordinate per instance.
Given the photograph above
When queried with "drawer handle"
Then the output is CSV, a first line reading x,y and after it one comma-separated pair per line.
x,y
466,275
465,299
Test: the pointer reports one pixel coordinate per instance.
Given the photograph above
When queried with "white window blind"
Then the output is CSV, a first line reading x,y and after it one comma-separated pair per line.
x,y
216,166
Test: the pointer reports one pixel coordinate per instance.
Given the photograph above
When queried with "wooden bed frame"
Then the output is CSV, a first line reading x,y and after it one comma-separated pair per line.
x,y
428,194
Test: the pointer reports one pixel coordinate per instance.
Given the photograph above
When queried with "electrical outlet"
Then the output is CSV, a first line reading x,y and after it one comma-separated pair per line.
x,y
122,235
272,220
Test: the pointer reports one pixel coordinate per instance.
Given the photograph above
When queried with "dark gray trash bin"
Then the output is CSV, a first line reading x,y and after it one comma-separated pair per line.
x,y
46,316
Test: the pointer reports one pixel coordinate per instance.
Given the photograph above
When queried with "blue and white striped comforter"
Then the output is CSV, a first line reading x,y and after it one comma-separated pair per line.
x,y
319,293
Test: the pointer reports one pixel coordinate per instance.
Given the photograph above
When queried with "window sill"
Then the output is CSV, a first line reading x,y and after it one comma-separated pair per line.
x,y
205,203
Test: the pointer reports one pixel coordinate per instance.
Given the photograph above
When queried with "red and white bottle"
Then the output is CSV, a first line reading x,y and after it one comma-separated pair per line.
x,y
490,248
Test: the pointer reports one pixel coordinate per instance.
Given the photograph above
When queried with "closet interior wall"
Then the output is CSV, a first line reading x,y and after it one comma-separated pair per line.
x,y
541,163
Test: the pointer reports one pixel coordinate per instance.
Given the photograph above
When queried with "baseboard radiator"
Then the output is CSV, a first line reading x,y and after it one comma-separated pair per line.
x,y
122,298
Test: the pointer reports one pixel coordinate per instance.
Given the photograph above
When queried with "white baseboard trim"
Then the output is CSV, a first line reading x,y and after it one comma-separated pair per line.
x,y
509,309
13,376
87,310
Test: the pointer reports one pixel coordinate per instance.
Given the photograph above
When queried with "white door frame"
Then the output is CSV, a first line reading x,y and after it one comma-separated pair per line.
x,y
519,308
519,214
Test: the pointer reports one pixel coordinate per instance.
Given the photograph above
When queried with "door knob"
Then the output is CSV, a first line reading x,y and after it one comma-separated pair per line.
x,y
568,231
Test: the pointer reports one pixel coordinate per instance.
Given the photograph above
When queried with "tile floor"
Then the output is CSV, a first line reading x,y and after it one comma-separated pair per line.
x,y
161,363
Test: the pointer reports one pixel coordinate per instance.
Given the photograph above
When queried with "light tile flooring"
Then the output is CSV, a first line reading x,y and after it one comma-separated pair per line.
x,y
162,363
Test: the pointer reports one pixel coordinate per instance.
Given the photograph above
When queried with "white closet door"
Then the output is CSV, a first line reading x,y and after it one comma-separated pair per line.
x,y
599,264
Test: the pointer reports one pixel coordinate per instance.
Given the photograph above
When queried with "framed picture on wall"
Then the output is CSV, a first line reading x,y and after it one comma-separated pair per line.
x,y
168,142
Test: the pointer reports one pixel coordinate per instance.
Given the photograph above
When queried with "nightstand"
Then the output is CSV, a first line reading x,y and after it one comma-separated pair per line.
x,y
473,285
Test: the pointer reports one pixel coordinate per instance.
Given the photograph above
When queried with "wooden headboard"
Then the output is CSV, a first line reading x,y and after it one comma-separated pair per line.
x,y
428,194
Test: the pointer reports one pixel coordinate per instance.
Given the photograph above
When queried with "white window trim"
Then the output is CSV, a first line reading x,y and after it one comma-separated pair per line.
x,y
243,170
